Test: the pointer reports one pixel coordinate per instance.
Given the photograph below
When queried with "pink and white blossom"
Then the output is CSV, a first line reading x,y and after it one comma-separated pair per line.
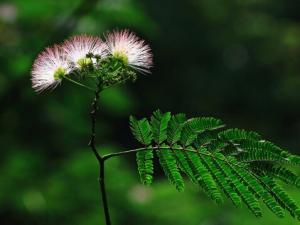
x,y
133,50
77,47
49,68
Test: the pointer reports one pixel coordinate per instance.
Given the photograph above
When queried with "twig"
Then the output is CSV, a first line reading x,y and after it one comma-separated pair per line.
x,y
93,113
111,155
103,192
101,161
79,84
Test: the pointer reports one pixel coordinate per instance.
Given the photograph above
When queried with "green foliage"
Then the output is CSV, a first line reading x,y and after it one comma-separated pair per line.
x,y
249,70
142,132
169,164
233,162
145,166
159,124
114,71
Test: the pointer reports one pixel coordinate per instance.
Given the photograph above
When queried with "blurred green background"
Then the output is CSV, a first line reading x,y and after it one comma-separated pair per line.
x,y
238,60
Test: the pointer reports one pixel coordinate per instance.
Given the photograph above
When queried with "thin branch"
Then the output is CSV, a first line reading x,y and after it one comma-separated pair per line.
x,y
79,84
92,144
93,113
110,155
103,192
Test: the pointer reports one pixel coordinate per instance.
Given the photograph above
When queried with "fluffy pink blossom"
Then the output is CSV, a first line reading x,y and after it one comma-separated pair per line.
x,y
77,47
49,68
133,50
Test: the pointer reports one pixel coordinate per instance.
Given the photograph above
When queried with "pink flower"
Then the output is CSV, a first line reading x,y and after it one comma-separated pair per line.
x,y
77,47
126,46
49,68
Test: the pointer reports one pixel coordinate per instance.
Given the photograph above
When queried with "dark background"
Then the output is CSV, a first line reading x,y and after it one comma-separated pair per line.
x,y
238,60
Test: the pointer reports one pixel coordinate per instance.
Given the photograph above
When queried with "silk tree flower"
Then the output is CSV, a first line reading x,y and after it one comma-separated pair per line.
x,y
78,47
129,48
49,68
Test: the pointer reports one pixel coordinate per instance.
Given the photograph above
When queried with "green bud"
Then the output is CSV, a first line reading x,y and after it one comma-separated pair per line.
x,y
59,73
114,70
121,56
84,62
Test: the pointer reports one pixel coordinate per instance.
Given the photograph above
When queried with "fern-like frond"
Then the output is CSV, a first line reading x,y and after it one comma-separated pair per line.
x,y
195,126
233,162
142,131
204,176
255,186
281,196
250,144
286,176
240,188
169,164
174,129
183,162
264,156
200,124
144,161
159,125
238,134
281,173
206,137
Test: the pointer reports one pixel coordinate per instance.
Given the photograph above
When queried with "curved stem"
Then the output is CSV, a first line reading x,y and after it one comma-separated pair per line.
x,y
110,155
103,192
95,108
101,161
79,84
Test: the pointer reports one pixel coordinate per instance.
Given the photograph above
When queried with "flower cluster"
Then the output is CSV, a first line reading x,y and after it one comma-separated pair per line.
x,y
114,60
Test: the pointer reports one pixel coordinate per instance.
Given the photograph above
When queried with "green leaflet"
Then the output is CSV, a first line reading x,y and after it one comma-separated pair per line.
x,y
188,135
145,165
247,196
169,164
174,129
141,130
257,155
284,174
206,138
201,124
218,174
258,150
265,146
183,162
232,161
159,125
295,159
238,134
257,188
250,144
281,196
195,126
204,177
159,122
219,171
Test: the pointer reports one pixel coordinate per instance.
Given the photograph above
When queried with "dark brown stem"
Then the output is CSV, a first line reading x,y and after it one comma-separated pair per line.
x,y
103,193
95,108
101,161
